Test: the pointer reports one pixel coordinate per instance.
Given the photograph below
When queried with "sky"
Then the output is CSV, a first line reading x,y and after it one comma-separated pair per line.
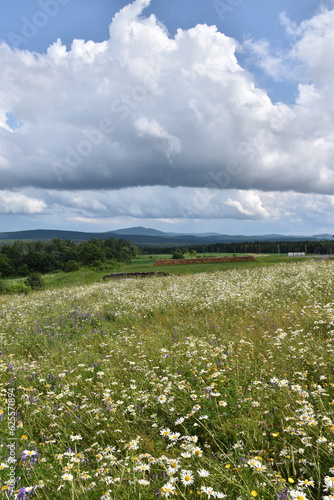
x,y
180,115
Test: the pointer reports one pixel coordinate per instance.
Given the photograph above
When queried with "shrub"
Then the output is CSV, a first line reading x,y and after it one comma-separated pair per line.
x,y
35,281
23,270
3,287
177,255
71,265
18,287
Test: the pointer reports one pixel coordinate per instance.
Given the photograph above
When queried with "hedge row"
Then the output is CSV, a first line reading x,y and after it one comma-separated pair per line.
x,y
204,260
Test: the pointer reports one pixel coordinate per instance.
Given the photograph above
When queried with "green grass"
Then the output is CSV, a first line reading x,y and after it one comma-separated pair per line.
x,y
120,387
145,263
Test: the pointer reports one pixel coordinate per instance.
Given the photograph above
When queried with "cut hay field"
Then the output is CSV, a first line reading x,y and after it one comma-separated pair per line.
x,y
209,385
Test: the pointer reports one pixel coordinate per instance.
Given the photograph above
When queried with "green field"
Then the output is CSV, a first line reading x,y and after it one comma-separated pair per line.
x,y
197,385
145,263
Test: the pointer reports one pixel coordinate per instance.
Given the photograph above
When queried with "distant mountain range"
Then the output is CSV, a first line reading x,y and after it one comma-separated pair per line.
x,y
142,236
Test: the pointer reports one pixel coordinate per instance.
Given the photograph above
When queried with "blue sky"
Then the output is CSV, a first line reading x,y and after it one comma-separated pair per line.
x,y
142,124
89,20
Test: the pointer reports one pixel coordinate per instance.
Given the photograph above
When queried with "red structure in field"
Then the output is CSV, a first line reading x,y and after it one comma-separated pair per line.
x,y
204,260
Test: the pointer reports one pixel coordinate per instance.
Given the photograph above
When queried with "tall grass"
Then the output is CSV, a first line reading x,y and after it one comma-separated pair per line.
x,y
187,387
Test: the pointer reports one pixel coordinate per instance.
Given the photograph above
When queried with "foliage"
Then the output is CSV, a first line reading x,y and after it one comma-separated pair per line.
x,y
177,255
35,281
193,254
6,268
2,287
24,257
71,266
15,288
311,247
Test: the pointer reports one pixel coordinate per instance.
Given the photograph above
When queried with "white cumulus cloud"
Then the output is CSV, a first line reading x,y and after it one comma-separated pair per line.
x,y
18,203
146,110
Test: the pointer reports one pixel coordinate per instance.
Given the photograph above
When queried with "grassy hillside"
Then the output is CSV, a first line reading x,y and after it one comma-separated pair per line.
x,y
192,386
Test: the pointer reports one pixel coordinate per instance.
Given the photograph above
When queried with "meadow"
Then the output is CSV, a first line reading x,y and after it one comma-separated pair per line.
x,y
207,385
145,263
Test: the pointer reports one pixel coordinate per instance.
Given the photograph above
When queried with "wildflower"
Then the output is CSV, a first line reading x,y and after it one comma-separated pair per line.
x,y
222,403
85,475
168,489
106,496
256,465
305,483
22,492
162,398
143,482
133,445
143,467
187,477
208,490
29,453
203,473
165,432
173,465
298,495
329,483
75,438
175,436
254,493
67,477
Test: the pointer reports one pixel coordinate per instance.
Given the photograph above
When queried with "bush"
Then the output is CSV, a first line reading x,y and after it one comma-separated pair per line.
x,y
35,281
23,270
3,287
96,265
71,265
177,255
17,288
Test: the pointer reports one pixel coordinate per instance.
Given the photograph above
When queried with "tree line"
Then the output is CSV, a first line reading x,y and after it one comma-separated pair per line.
x,y
21,258
310,247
